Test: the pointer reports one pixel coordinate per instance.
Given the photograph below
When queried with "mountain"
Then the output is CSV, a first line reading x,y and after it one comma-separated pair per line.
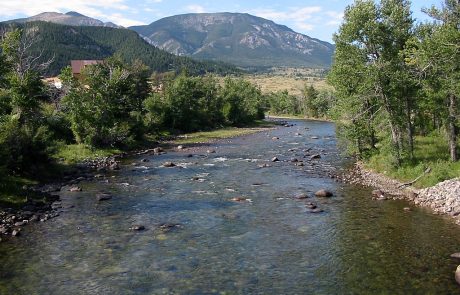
x,y
70,18
64,43
241,39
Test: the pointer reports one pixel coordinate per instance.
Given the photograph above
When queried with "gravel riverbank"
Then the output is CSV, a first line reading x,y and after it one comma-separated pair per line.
x,y
443,198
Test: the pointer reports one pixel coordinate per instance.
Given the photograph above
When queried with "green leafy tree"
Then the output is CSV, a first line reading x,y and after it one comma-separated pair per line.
x,y
370,74
242,102
105,107
436,56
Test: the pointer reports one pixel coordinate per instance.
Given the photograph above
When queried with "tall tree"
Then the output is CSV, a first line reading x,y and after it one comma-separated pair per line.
x,y
369,74
437,55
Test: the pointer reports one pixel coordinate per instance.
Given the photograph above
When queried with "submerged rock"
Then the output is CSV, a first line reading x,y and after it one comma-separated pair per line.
x,y
75,189
157,150
324,193
169,164
167,227
316,156
241,199
302,196
316,210
103,197
137,227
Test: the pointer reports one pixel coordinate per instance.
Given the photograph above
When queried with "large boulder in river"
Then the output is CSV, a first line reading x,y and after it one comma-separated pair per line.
x,y
457,275
324,193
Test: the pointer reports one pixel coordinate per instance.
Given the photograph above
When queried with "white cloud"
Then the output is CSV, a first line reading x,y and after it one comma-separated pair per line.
x,y
118,19
296,14
195,8
336,18
91,8
305,26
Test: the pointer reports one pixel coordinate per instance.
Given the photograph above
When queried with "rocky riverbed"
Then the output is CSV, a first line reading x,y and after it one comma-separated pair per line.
x,y
443,198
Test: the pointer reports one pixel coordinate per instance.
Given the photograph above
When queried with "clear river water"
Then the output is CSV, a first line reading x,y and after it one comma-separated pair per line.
x,y
269,244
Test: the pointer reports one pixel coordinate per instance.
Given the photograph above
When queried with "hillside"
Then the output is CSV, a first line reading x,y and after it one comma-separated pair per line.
x,y
70,18
241,39
64,43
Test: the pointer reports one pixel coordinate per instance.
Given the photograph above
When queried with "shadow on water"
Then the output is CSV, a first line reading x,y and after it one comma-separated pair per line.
x,y
268,244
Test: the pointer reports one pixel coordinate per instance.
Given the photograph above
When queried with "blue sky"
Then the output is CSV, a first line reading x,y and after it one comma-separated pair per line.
x,y
316,18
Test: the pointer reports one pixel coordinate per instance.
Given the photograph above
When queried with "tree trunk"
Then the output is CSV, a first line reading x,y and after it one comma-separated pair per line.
x,y
410,128
452,128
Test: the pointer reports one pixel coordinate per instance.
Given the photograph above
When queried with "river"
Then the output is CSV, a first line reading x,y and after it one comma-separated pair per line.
x,y
268,244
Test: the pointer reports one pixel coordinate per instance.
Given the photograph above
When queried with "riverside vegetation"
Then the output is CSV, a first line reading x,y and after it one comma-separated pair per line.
x,y
397,87
114,106
394,97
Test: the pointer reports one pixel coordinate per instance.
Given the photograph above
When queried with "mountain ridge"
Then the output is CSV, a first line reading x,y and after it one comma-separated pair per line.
x,y
63,43
71,18
239,38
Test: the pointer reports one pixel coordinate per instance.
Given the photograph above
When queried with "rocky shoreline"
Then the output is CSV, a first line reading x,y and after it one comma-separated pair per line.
x,y
443,198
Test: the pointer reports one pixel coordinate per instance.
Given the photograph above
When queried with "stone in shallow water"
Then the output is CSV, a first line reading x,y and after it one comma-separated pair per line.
x,y
137,227
169,164
275,159
75,189
316,210
324,193
103,197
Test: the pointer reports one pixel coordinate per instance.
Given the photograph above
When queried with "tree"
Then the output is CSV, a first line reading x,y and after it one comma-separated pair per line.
x,y
369,71
105,108
436,55
242,102
24,138
310,95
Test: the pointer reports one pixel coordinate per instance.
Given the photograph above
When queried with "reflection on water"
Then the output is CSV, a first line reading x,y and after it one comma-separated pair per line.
x,y
271,245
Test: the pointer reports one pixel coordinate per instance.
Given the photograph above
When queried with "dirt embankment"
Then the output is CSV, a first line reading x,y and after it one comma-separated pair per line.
x,y
443,198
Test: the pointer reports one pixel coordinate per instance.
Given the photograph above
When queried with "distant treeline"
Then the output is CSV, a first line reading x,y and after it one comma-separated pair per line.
x,y
61,43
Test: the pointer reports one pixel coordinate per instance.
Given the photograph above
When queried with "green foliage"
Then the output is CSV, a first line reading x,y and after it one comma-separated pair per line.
x,y
105,107
63,43
370,74
312,103
431,151
196,103
242,102
25,140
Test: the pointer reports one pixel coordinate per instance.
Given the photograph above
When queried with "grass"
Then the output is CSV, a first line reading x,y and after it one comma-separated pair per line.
x,y
76,153
229,132
430,152
11,192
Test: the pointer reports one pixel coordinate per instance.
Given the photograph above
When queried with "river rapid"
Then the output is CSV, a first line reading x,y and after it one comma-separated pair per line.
x,y
197,240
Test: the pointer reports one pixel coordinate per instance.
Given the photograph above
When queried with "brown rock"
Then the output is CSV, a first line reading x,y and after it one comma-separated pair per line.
x,y
324,193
